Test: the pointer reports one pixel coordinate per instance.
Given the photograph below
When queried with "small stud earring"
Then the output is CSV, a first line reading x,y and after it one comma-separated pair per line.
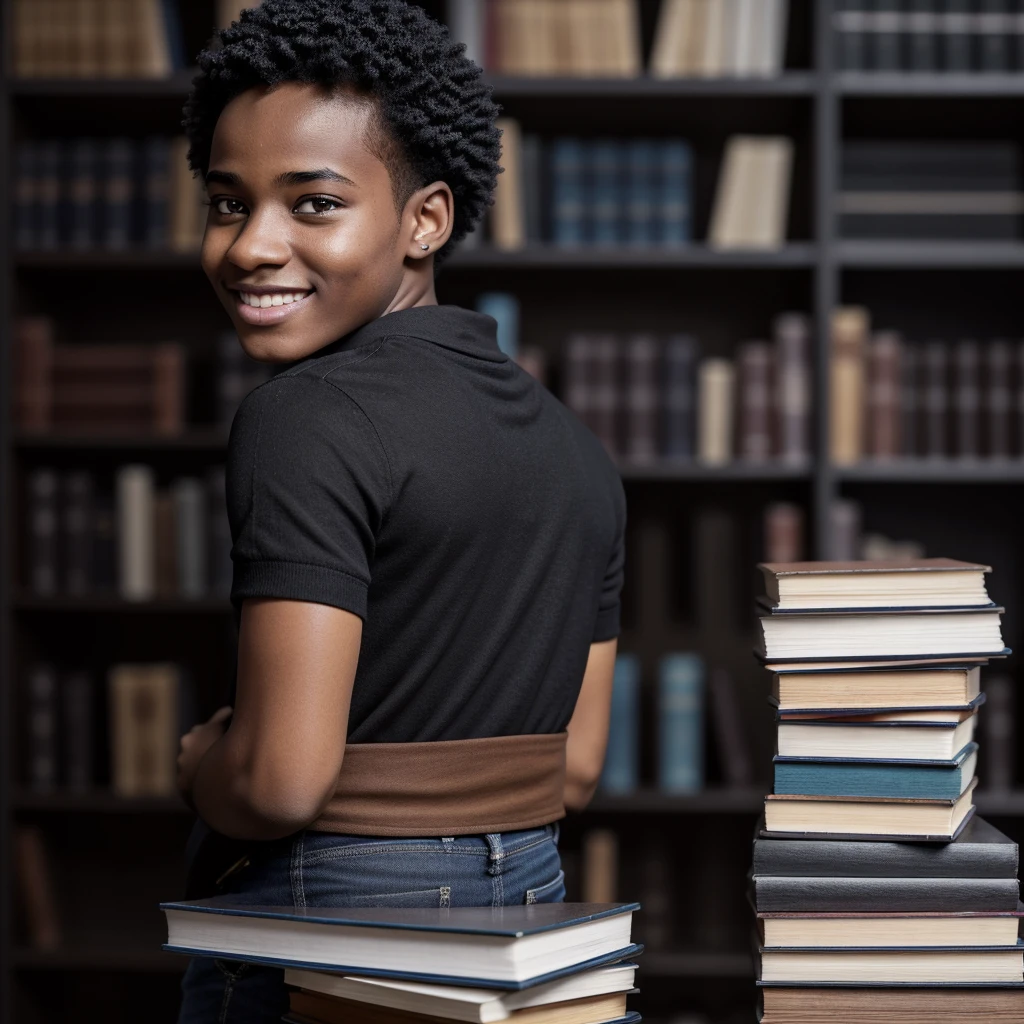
x,y
424,245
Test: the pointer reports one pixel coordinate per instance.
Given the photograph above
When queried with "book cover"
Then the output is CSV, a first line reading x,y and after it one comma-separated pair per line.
x,y
622,758
681,723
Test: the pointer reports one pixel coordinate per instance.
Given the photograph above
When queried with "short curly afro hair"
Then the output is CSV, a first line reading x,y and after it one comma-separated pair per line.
x,y
435,116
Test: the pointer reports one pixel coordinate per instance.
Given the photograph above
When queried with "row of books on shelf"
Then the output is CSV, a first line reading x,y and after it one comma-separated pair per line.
x,y
104,38
871,868
636,192
107,193
951,36
893,398
119,388
133,538
83,730
930,189
602,38
647,397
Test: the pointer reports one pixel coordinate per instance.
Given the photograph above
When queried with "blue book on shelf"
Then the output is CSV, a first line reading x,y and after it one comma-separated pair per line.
x,y
681,723
504,307
674,186
917,780
621,772
680,396
605,201
567,220
641,192
511,947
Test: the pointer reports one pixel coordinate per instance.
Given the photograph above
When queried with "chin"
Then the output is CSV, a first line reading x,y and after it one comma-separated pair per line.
x,y
271,347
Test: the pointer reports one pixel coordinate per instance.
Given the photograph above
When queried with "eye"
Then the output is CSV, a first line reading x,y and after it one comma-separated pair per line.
x,y
226,206
317,205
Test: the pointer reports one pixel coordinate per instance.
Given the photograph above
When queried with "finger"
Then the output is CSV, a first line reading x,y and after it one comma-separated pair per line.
x,y
220,714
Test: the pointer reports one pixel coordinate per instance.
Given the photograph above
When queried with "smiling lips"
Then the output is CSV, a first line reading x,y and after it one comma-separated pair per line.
x,y
264,305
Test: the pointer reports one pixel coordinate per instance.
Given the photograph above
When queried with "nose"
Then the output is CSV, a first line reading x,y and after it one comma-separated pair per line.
x,y
263,240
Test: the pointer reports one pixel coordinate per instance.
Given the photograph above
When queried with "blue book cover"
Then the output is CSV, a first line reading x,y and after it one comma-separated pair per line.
x,y
82,209
25,176
680,407
641,192
907,780
681,723
118,163
567,192
175,36
674,193
504,307
621,772
47,194
604,203
155,219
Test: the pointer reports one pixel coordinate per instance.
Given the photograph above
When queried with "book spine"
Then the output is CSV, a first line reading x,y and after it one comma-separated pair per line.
x,y
730,736
165,546
999,748
604,398
715,405
641,405
997,401
956,28
910,361
755,411
621,772
642,193
47,194
26,175
883,419
77,531
168,402
674,191
846,427
935,399
144,702
600,866
921,25
886,36
567,192
793,387
135,527
190,521
657,898
993,24
82,193
43,558
532,171
156,216
681,723
220,568
845,529
508,224
850,23
967,399
33,357
680,425
35,888
41,735
77,727
783,532
117,194
466,21
605,200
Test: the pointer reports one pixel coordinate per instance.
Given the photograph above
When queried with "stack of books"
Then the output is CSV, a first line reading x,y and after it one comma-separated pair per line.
x,y
871,871
543,963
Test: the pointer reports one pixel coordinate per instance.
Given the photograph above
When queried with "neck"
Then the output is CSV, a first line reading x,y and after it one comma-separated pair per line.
x,y
416,288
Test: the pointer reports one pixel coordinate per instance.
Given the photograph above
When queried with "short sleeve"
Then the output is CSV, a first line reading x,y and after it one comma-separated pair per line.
x,y
609,603
308,486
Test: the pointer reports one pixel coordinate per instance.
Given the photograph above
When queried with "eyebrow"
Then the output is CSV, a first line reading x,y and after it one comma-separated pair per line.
x,y
287,178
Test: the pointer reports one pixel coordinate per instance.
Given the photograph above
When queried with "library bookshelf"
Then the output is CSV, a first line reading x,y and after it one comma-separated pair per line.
x,y
684,856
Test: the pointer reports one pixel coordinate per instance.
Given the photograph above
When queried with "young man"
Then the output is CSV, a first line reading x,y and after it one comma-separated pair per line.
x,y
427,546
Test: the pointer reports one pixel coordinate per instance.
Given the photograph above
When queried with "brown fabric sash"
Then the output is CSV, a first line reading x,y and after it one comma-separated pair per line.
x,y
448,787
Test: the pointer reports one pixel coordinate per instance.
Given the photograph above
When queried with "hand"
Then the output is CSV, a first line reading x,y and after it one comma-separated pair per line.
x,y
194,745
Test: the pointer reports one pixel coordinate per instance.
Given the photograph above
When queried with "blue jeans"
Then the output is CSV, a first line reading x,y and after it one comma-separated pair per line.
x,y
320,869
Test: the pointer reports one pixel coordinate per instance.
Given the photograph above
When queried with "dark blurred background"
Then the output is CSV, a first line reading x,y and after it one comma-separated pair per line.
x,y
770,251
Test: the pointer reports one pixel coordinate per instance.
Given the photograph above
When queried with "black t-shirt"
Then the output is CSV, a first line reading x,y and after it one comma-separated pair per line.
x,y
415,475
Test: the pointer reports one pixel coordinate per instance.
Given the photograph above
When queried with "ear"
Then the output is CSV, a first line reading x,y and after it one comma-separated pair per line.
x,y
429,219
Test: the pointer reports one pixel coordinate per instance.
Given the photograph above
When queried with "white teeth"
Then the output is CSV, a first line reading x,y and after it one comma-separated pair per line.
x,y
277,300
288,298
266,301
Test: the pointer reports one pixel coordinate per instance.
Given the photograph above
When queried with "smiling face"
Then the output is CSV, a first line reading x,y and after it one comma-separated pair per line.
x,y
304,241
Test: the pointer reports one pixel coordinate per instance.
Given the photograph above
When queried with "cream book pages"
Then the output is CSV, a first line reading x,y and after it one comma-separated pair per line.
x,y
715,403
668,55
770,185
712,50
730,215
507,222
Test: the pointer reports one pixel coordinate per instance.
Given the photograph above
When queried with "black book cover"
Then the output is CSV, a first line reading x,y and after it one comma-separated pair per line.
x,y
780,894
980,851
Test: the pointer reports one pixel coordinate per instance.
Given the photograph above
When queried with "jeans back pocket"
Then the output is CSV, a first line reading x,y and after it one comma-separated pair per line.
x,y
440,897
550,892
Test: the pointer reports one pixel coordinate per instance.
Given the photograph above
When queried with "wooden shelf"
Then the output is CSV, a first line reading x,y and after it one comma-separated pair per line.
x,y
174,87
925,255
194,440
110,603
148,961
696,256
135,258
910,84
666,470
935,471
96,802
